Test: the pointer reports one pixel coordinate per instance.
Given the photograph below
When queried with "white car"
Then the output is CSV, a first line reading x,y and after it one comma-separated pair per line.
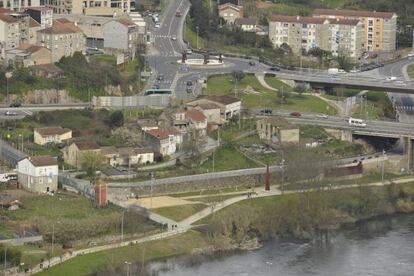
x,y
189,51
400,83
173,37
157,25
10,113
391,78
322,116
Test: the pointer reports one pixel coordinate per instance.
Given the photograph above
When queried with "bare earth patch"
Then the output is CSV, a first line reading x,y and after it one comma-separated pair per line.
x,y
159,202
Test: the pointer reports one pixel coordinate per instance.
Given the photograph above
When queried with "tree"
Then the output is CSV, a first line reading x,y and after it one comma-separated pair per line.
x,y
238,76
116,119
91,161
344,62
191,146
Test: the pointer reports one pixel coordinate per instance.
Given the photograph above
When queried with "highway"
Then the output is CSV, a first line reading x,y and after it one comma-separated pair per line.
x,y
10,113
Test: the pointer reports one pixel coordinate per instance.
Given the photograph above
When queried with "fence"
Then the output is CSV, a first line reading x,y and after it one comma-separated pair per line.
x,y
83,186
197,177
9,154
131,101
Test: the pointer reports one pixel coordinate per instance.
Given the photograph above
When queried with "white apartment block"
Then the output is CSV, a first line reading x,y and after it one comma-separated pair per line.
x,y
19,5
380,28
304,33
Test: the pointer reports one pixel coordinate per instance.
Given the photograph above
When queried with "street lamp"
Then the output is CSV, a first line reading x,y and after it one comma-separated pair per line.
x,y
8,75
127,265
382,169
197,36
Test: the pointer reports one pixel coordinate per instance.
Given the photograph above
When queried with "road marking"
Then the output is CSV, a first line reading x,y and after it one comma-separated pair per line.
x,y
27,112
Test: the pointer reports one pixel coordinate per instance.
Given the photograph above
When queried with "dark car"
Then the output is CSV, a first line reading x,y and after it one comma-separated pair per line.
x,y
160,77
189,90
295,114
252,63
266,111
16,104
274,68
189,83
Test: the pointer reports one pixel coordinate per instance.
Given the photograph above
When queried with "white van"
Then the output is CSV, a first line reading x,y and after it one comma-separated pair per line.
x,y
357,122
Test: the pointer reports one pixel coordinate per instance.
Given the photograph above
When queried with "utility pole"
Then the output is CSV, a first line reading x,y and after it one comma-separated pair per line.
x,y
5,260
382,169
53,239
197,36
122,227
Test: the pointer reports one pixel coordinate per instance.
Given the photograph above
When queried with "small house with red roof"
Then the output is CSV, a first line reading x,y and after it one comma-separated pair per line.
x,y
164,141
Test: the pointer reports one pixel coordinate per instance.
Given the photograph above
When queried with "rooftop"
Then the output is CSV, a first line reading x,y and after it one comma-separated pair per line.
x,y
353,13
62,26
29,48
229,6
41,161
340,21
278,122
126,22
297,19
47,131
86,145
7,18
195,115
160,134
33,23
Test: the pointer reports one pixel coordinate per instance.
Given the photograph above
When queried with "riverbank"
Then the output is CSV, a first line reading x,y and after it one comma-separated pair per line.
x,y
237,226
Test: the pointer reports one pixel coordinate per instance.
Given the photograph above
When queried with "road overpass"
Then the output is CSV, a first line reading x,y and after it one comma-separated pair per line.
x,y
323,79
386,129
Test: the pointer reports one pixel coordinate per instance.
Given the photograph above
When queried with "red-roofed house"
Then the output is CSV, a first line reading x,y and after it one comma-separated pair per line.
x,y
27,55
163,141
190,119
64,38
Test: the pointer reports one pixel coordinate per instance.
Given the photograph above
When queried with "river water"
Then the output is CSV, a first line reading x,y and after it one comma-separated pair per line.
x,y
378,247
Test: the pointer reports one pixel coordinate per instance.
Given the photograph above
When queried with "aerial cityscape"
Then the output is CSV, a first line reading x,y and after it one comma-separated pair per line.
x,y
201,137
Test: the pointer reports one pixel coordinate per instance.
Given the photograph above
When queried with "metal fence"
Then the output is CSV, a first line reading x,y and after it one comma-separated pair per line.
x,y
131,101
196,177
83,186
10,154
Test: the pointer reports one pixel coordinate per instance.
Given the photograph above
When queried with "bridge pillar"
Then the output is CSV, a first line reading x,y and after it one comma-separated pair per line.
x,y
409,152
346,135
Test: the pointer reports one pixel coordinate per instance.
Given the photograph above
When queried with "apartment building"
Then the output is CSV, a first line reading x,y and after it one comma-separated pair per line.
x,y
64,39
345,37
42,15
380,28
14,30
333,35
89,7
19,5
298,32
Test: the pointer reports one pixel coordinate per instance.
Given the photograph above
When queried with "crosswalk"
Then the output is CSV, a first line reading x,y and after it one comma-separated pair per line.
x,y
404,107
161,36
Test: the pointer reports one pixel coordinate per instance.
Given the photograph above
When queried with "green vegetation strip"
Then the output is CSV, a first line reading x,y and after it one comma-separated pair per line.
x,y
410,71
111,259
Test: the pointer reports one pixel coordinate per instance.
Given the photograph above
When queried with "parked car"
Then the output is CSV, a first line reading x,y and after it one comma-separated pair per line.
x,y
15,104
295,114
189,51
266,111
274,68
322,116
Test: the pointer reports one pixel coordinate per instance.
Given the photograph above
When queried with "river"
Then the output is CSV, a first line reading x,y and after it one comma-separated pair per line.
x,y
377,247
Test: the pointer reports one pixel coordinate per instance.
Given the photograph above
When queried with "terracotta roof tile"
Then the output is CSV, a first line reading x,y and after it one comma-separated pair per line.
x,y
47,131
230,6
195,115
87,145
297,19
62,26
42,161
353,13
7,18
126,22
160,133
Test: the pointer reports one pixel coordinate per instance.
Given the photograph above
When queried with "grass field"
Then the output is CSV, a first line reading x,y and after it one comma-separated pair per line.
x,y
410,71
366,111
179,212
111,259
223,85
191,37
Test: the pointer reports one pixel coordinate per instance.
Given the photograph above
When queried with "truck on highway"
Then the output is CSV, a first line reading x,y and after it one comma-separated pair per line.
x,y
356,122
